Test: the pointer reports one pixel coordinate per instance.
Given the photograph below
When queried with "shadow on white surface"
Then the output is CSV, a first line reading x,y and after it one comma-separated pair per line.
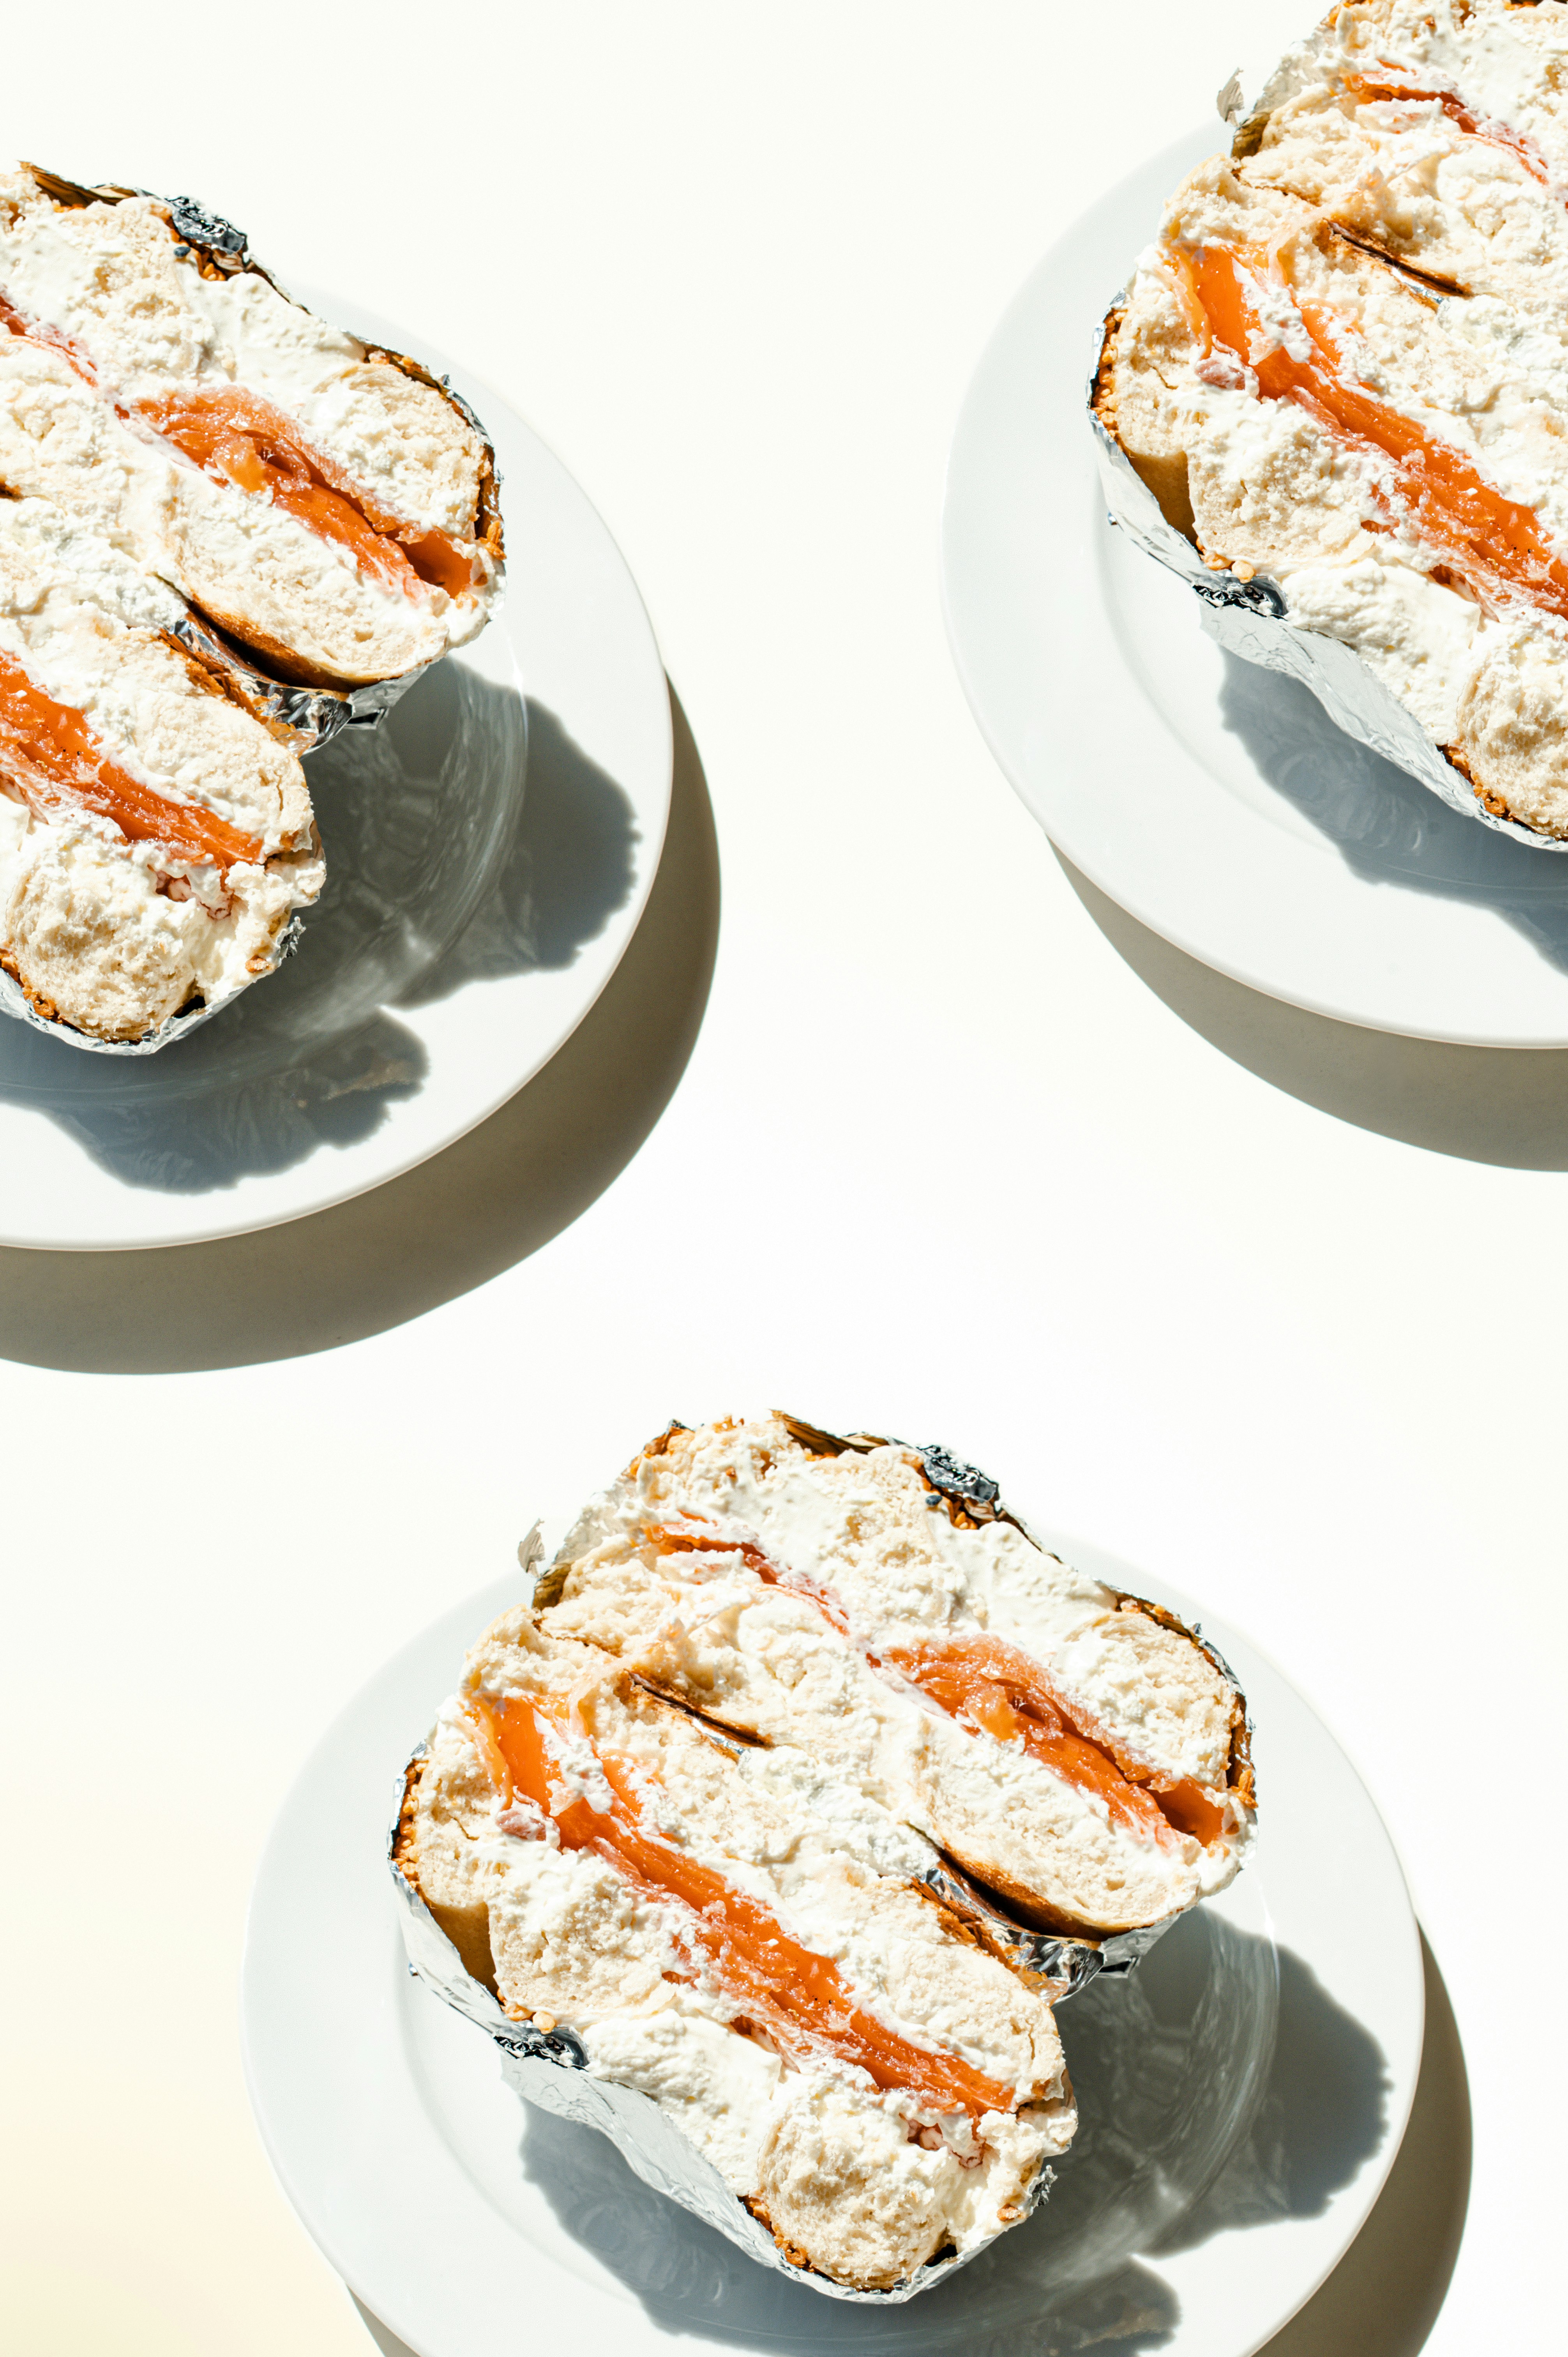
x,y
1383,2297
1321,2115
387,2342
489,1200
1507,1105
1318,2118
1385,825
443,867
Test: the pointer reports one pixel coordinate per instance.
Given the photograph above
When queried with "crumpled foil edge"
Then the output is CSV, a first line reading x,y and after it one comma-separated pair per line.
x,y
1250,619
552,2072
1063,1963
13,1001
308,717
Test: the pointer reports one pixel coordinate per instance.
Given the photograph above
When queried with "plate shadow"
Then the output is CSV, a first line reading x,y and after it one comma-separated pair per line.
x,y
489,1200
1383,2297
1504,1105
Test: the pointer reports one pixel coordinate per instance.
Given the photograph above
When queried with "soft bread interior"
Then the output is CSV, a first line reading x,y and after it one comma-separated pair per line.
x,y
251,568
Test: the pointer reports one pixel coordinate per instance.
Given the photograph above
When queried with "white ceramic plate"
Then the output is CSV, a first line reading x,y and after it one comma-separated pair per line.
x,y
1211,799
466,928
1242,2096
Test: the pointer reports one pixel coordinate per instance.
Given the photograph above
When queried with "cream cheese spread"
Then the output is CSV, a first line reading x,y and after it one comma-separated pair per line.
x,y
867,1527
111,279
794,1595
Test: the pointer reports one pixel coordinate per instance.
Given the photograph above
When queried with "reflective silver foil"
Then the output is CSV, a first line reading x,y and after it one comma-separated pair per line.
x,y
552,2072
1250,620
1064,1966
309,716
13,1001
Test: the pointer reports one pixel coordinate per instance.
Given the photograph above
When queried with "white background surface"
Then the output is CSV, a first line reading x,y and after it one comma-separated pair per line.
x,y
941,1161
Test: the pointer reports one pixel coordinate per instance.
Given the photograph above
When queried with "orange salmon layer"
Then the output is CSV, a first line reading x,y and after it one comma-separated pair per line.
x,y
238,438
1494,544
49,755
797,1997
985,1684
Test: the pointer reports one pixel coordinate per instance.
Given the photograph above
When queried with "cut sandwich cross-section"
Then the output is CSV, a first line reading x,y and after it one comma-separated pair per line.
x,y
737,1936
794,1994
330,505
155,839
51,759
237,437
1339,372
998,1690
1495,545
1072,1750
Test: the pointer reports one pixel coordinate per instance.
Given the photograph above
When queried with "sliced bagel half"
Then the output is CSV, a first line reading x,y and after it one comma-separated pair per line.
x,y
330,505
747,1942
1075,1750
155,839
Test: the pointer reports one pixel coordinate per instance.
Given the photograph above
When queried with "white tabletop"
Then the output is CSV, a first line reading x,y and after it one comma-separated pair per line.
x,y
1266,1306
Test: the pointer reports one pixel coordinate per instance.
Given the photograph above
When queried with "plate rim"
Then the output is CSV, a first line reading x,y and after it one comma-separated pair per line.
x,y
1351,2207
488,402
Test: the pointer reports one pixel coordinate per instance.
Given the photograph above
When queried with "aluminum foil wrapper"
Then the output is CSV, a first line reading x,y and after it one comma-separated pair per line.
x,y
1250,619
1059,1965
552,2071
308,717
13,1001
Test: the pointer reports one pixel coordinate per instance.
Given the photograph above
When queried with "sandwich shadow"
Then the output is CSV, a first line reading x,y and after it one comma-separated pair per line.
x,y
442,870
1220,2087
1383,2297
693,2282
1386,826
487,1200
